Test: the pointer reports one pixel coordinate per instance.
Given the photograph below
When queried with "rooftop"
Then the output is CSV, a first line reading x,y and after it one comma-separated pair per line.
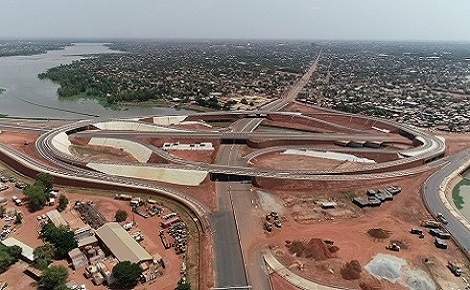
x,y
27,251
56,218
121,244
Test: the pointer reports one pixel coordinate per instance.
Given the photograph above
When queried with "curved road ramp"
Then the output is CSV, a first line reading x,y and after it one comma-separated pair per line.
x,y
291,277
168,175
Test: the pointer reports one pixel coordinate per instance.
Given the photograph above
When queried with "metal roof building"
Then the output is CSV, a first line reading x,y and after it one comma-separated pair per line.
x,y
121,244
26,251
56,218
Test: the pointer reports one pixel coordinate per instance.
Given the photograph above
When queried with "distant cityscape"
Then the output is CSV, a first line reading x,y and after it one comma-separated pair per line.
x,y
422,84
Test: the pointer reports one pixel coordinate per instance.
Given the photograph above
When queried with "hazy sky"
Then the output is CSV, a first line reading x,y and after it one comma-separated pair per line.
x,y
254,19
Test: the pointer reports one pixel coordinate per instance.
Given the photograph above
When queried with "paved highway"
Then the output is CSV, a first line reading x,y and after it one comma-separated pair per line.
x,y
244,135
431,196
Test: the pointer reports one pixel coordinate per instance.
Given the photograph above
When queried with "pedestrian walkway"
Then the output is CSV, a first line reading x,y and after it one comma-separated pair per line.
x,y
444,187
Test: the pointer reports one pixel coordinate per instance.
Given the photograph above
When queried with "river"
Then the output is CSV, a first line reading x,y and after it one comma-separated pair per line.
x,y
28,96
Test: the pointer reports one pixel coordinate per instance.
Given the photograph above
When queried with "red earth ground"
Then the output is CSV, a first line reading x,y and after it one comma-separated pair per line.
x,y
347,226
27,233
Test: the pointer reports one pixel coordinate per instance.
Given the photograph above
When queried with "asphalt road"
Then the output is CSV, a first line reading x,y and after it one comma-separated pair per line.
x,y
228,265
431,196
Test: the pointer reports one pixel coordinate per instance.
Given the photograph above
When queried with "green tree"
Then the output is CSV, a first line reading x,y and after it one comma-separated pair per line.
x,y
36,195
126,273
120,216
15,252
2,211
63,202
19,218
62,238
183,284
54,277
43,255
8,256
45,179
5,260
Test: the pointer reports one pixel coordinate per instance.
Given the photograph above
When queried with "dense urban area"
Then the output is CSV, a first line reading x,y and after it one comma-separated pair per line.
x,y
208,74
423,84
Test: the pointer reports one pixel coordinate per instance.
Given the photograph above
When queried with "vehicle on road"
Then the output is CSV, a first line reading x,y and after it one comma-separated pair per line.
x,y
441,218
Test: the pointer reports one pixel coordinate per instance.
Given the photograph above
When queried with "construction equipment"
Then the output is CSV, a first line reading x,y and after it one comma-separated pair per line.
x,y
268,226
393,247
416,231
454,268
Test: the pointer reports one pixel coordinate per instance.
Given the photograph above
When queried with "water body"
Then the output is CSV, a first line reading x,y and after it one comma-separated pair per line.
x,y
28,96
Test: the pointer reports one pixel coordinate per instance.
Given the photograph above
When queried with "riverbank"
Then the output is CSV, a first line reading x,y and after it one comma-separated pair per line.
x,y
28,96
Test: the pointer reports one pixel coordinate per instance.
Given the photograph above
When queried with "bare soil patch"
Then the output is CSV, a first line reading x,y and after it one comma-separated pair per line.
x,y
279,161
455,142
379,234
351,270
315,249
350,231
204,156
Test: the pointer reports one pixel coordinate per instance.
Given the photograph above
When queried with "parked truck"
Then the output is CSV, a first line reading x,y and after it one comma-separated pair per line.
x,y
431,224
123,196
454,268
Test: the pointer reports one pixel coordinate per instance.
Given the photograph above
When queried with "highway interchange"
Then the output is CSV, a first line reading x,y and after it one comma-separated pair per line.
x,y
234,198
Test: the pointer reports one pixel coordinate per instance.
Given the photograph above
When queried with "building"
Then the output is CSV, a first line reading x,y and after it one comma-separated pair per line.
x,y
78,259
120,244
26,251
56,218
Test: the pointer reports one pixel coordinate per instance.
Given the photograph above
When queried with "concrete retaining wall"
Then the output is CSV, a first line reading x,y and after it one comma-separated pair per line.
x,y
61,142
132,126
168,120
167,175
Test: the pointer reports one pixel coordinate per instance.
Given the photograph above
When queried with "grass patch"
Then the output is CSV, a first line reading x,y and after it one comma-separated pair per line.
x,y
456,197
2,90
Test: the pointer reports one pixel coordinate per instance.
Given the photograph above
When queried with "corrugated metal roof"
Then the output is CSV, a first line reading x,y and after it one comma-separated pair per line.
x,y
86,241
26,252
121,244
56,218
